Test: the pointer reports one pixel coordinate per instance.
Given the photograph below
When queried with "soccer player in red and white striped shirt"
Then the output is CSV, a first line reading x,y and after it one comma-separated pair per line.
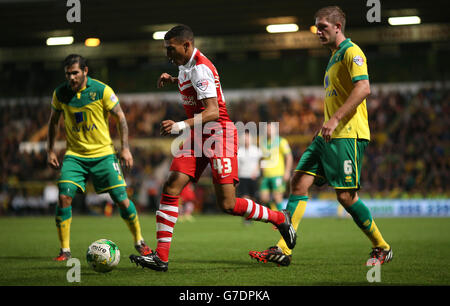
x,y
212,140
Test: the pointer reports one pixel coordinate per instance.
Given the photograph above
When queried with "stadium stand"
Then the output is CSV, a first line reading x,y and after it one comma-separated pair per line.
x,y
408,156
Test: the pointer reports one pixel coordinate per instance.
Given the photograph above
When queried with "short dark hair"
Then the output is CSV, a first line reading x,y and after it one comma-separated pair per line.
x,y
332,14
75,58
181,32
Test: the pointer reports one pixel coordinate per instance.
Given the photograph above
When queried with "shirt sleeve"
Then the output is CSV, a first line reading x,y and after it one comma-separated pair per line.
x,y
109,98
356,63
56,105
203,82
284,147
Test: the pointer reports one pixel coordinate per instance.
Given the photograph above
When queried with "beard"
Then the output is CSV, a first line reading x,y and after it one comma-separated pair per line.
x,y
78,85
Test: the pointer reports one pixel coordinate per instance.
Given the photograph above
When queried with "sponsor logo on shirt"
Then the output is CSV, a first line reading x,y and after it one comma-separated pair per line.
x,y
114,98
202,84
358,60
80,117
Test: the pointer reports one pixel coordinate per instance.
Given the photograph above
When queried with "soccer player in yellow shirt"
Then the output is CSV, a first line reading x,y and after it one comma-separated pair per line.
x,y
335,155
276,167
86,104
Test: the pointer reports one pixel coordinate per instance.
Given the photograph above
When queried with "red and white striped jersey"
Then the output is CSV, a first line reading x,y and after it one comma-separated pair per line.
x,y
198,79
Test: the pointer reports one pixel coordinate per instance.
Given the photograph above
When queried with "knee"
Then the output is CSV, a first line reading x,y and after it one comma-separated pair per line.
x,y
64,200
170,188
119,195
124,204
347,198
300,183
175,184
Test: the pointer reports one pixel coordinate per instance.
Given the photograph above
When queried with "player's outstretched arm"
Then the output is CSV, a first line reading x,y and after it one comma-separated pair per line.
x,y
122,126
52,158
164,79
359,92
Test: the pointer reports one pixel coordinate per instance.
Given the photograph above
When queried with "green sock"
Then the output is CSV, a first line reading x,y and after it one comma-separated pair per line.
x,y
293,202
62,214
361,215
128,213
63,220
363,218
296,207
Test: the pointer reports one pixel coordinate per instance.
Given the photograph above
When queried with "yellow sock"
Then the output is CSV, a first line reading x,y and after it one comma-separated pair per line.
x,y
130,216
375,236
296,218
135,228
63,229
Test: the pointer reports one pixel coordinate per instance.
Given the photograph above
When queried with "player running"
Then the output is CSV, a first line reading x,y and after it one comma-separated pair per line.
x,y
335,155
216,145
86,104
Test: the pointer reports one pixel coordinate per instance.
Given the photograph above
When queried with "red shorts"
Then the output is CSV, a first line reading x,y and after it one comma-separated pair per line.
x,y
187,194
221,155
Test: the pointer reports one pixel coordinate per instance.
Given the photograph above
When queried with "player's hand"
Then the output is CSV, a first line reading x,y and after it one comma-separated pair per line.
x,y
166,127
328,128
126,159
52,160
164,79
315,135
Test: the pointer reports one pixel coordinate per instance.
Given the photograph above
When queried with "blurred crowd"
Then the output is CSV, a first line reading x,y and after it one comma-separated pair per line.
x,y
408,155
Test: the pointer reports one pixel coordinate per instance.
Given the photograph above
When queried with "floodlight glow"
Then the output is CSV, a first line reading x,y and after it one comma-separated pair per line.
x,y
313,29
92,42
404,20
58,41
282,28
159,35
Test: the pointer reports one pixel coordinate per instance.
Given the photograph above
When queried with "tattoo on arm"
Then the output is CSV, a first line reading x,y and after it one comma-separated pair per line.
x,y
121,125
52,128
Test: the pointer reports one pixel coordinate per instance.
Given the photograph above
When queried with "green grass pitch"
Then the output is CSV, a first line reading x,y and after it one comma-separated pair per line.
x,y
213,251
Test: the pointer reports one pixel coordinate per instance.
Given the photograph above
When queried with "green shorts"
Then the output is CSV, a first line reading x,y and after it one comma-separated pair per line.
x,y
275,183
337,162
104,171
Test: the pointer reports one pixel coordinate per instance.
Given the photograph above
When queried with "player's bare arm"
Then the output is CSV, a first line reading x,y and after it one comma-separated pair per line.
x,y
52,158
122,126
289,160
210,113
166,78
360,91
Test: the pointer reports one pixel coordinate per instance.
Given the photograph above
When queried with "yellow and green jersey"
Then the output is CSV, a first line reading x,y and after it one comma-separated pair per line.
x,y
86,115
347,65
274,150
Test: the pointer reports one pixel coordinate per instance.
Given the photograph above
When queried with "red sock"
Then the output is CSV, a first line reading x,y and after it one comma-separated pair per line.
x,y
254,211
166,217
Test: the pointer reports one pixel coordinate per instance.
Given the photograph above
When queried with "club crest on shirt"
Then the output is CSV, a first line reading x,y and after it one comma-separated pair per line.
x,y
202,84
358,60
92,95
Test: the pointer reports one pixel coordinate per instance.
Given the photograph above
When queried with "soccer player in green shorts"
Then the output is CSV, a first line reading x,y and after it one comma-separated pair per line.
x,y
276,167
86,104
335,155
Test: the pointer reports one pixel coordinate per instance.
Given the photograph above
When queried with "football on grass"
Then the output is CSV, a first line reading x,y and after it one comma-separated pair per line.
x,y
103,255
